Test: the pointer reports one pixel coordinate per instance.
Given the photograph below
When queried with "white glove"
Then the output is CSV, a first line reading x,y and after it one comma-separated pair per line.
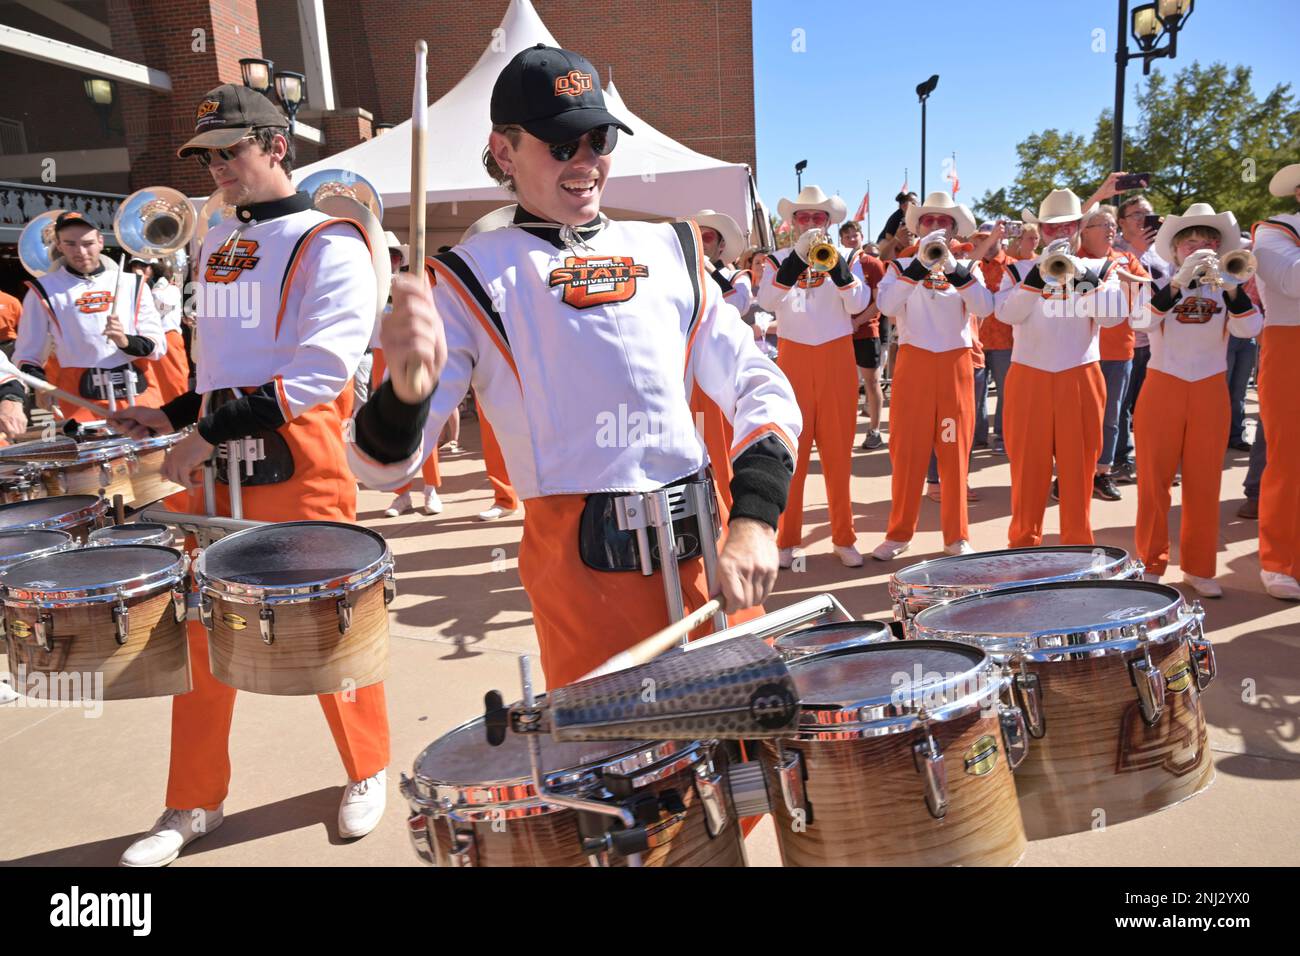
x,y
1187,271
804,243
949,262
1062,247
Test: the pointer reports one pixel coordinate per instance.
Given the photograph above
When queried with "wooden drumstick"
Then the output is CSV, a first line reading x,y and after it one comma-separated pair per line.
x,y
656,644
414,375
40,385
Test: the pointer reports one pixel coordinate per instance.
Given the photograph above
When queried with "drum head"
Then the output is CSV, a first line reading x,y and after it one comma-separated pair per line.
x,y
293,554
832,637
128,533
91,569
1050,609
19,513
873,674
1016,566
16,545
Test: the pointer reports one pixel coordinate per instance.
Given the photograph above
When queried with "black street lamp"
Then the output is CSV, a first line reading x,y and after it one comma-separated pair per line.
x,y
291,89
1150,23
923,91
799,167
100,93
257,74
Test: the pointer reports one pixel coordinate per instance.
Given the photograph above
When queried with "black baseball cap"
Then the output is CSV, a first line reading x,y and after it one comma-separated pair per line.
x,y
71,218
554,94
228,114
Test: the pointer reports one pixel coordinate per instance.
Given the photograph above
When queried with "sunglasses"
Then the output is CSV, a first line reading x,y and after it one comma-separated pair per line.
x,y
603,140
204,156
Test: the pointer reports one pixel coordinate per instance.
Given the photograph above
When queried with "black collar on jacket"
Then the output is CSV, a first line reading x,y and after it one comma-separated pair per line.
x,y
550,232
262,211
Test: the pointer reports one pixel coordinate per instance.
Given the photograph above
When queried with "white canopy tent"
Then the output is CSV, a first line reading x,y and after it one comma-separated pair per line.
x,y
653,176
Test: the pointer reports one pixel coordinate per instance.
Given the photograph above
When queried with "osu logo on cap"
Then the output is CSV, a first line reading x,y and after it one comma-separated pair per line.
x,y
1196,310
93,302
598,281
573,83
229,262
206,108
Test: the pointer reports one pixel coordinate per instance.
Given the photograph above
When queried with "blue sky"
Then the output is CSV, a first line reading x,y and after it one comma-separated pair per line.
x,y
848,104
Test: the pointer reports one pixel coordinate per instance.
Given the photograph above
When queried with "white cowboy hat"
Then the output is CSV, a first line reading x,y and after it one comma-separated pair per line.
x,y
496,219
1198,214
1061,205
1027,216
1285,181
812,197
732,240
940,203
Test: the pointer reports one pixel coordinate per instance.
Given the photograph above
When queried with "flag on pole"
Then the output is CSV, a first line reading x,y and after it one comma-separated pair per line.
x,y
863,207
951,176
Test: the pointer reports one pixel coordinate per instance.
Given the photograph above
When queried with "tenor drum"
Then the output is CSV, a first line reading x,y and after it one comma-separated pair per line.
x,y
20,482
16,546
138,532
100,468
1110,675
299,607
903,758
76,514
476,805
147,482
922,585
831,637
77,618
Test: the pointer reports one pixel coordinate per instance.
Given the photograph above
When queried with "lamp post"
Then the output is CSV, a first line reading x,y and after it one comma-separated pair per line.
x,y
100,93
1150,23
257,74
923,91
799,167
291,88
379,129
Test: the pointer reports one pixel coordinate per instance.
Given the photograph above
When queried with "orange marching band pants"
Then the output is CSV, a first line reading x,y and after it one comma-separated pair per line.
x,y
503,493
200,755
932,409
718,438
173,369
1179,422
825,382
69,379
1052,415
1279,489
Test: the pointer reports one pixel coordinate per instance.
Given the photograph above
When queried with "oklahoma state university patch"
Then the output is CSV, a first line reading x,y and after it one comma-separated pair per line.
x,y
589,282
230,261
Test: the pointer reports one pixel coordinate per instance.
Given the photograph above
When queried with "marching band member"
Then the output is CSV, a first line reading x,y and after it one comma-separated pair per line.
x,y
95,345
814,311
582,338
276,381
866,331
1183,412
933,394
1055,391
1277,246
173,369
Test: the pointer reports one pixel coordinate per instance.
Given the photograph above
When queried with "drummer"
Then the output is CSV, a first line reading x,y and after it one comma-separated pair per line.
x,y
564,367
97,339
277,383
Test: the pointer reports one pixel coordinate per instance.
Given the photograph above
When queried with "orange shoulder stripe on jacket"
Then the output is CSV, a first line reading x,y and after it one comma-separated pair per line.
x,y
53,318
441,273
302,249
1282,227
762,431
702,280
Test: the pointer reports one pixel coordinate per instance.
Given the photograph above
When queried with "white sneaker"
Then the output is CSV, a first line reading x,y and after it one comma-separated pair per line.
x,y
1280,585
786,558
7,694
432,503
400,504
888,550
958,547
1205,587
174,831
362,806
1150,578
496,511
849,556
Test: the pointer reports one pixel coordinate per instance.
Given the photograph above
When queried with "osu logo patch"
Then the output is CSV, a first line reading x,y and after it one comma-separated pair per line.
x,y
811,279
573,83
1055,292
206,108
92,302
938,283
1196,310
229,262
590,281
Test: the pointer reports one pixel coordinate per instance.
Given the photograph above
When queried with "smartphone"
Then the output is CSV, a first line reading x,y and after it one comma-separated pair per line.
x,y
1152,223
1013,230
1133,181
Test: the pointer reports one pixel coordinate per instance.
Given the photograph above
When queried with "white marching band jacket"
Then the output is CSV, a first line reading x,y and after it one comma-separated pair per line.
x,y
167,300
583,356
932,309
74,310
739,289
1057,327
1188,329
1277,247
810,308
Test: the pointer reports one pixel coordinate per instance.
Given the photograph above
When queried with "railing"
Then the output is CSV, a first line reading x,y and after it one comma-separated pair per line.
x,y
13,137
20,203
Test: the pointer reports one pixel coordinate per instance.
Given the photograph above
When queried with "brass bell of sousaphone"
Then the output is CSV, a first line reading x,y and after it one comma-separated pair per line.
x,y
155,222
37,246
211,212
348,195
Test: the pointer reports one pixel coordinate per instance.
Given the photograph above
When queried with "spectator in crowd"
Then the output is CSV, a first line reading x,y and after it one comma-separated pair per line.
x,y
896,218
995,336
1241,365
866,335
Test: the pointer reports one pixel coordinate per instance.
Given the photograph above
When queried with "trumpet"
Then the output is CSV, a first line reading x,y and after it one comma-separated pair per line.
x,y
822,254
933,254
1240,265
1058,268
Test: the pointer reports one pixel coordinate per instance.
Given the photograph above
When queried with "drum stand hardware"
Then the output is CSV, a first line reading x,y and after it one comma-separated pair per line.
x,y
1149,681
929,763
121,618
748,789
644,510
1029,695
810,612
207,528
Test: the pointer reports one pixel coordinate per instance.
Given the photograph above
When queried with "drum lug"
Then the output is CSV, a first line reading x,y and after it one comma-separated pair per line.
x,y
1029,694
105,475
122,618
1202,650
1149,681
205,610
45,631
1014,734
390,588
343,606
266,623
789,773
709,788
929,763
417,825
178,604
